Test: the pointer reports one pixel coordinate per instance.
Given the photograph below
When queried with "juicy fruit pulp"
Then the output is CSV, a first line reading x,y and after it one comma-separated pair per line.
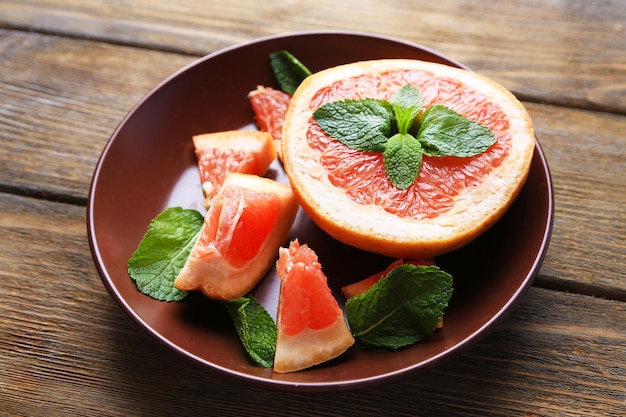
x,y
346,191
243,151
248,220
311,326
270,107
361,174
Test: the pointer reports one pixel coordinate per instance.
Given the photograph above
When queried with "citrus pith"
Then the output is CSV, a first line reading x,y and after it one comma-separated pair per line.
x,y
346,191
248,219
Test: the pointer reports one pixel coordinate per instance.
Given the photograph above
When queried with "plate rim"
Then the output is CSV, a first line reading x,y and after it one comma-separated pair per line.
x,y
323,386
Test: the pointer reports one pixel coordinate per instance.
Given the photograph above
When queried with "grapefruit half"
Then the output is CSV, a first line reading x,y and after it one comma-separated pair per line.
x,y
248,220
346,191
311,326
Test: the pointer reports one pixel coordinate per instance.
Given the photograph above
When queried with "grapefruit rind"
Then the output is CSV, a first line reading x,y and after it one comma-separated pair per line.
x,y
370,228
294,353
206,268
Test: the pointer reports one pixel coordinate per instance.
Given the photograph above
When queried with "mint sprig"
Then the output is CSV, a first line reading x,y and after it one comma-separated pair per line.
x,y
400,309
163,251
444,132
255,327
403,131
364,124
288,70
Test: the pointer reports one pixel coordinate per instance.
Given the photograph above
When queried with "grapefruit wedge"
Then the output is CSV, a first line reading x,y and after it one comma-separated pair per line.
x,y
248,220
453,200
360,287
270,107
311,326
219,153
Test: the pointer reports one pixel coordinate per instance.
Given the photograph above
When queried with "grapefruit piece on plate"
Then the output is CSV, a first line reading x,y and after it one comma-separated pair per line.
x,y
243,151
453,200
270,107
360,287
311,326
248,220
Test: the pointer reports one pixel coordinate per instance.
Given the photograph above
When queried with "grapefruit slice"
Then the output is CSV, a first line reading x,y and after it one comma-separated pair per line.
x,y
243,151
360,287
311,326
270,107
346,191
248,220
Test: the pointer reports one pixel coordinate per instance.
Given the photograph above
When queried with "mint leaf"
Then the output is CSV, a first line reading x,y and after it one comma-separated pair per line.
x,y
163,251
288,70
403,160
255,327
363,124
400,309
407,104
373,125
444,132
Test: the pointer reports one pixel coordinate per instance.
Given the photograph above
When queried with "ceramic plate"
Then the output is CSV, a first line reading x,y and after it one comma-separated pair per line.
x,y
149,164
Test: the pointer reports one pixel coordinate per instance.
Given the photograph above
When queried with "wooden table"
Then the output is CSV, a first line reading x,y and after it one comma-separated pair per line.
x,y
71,69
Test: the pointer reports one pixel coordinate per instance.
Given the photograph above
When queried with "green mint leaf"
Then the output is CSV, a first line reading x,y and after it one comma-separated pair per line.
x,y
363,124
407,104
403,160
400,309
288,70
256,329
444,132
163,251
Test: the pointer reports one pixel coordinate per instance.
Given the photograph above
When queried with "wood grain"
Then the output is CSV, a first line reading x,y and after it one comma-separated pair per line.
x,y
70,70
54,127
567,52
66,348
53,130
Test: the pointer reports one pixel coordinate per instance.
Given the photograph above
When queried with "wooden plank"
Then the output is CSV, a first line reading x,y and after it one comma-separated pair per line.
x,y
585,149
61,102
586,155
65,347
536,61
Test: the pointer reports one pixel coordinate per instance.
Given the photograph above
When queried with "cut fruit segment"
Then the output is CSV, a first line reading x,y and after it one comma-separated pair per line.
x,y
346,191
248,220
270,107
360,287
219,153
311,326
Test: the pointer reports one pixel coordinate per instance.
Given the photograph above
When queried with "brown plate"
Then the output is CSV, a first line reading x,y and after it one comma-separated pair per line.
x,y
149,164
